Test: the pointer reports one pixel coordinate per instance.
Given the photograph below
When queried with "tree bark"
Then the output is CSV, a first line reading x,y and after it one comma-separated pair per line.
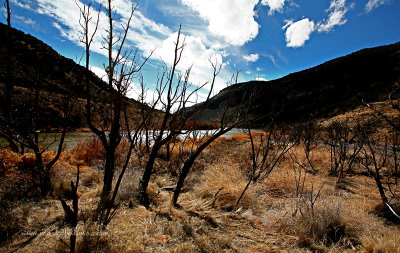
x,y
190,161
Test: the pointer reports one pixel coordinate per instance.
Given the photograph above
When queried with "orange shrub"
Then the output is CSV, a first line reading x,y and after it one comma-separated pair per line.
x,y
29,159
245,137
88,151
240,137
122,149
8,160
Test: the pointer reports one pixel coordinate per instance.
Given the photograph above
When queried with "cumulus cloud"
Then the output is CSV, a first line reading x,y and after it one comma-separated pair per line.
x,y
337,12
144,33
297,33
232,20
195,56
274,5
373,4
251,57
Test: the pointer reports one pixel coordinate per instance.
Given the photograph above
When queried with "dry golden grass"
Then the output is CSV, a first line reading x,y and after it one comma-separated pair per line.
x,y
228,183
388,241
365,116
342,219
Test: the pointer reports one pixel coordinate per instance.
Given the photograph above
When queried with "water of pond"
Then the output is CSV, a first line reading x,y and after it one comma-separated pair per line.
x,y
72,138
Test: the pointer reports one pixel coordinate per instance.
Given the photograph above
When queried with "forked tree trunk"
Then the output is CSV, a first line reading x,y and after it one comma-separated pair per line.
x,y
190,161
148,171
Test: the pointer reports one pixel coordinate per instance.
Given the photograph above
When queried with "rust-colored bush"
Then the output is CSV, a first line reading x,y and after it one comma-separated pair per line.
x,y
25,162
240,137
246,138
29,159
8,160
88,151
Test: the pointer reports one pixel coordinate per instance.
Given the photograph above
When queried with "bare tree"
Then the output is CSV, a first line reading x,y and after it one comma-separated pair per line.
x,y
196,150
8,9
308,137
266,152
394,99
394,168
123,66
6,94
381,155
23,119
71,215
375,158
344,145
178,94
26,127
304,199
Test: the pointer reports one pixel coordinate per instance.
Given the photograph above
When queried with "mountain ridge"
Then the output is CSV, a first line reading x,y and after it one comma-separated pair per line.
x,y
328,89
37,66
31,57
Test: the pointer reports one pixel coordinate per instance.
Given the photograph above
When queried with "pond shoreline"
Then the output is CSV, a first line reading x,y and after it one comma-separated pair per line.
x,y
74,137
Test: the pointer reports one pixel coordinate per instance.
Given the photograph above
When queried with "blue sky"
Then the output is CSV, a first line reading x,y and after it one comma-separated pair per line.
x,y
263,39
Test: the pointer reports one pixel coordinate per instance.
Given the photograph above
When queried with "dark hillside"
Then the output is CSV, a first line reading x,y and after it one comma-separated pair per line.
x,y
32,59
324,91
35,65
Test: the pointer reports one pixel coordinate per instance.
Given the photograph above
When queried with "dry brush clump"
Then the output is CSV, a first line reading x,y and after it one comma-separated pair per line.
x,y
201,225
329,223
89,151
386,242
18,171
222,186
331,218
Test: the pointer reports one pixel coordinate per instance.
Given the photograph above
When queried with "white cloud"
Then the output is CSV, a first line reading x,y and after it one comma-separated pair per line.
x,y
144,33
272,58
25,20
274,5
337,12
100,72
288,23
251,57
373,4
232,20
195,55
260,78
22,5
139,21
299,32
